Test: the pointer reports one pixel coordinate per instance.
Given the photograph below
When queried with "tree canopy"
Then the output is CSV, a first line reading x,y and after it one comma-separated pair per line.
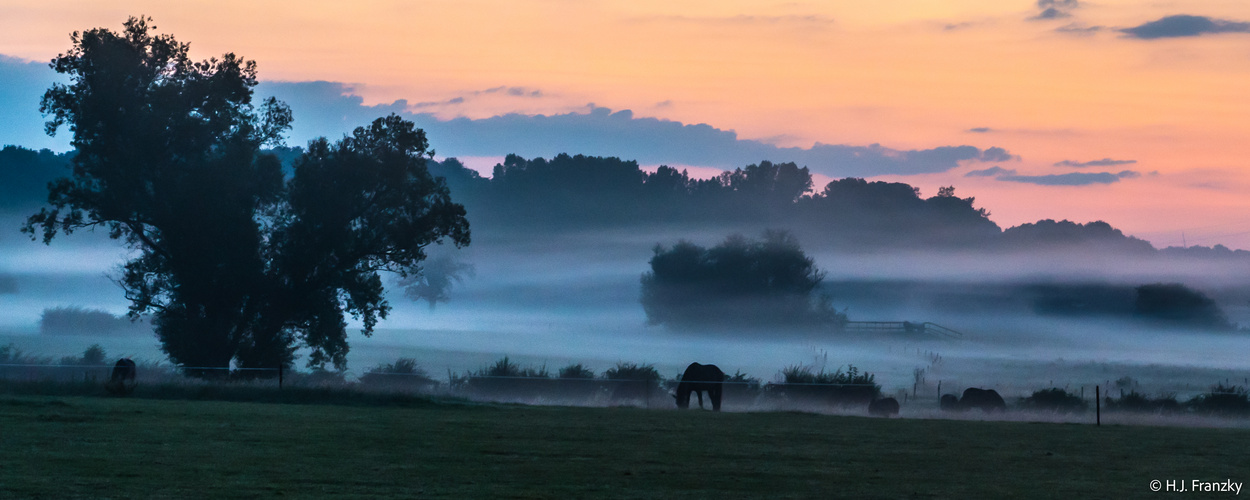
x,y
740,281
235,262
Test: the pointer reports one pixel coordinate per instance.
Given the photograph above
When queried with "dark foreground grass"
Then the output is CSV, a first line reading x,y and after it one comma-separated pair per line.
x,y
92,447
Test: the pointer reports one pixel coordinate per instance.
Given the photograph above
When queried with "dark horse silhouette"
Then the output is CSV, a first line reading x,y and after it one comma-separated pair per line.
x,y
699,378
122,382
883,407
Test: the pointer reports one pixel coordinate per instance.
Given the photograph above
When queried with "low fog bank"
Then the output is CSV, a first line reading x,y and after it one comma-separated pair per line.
x,y
573,297
1053,266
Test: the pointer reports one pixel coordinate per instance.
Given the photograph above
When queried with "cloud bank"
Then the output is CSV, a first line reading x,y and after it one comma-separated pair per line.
x,y
1054,9
991,172
1105,162
1072,179
330,109
1183,26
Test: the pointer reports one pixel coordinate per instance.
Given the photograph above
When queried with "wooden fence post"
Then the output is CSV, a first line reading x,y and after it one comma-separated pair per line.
x,y
280,376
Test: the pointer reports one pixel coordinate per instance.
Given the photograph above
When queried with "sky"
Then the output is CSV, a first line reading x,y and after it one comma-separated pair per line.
x,y
1132,112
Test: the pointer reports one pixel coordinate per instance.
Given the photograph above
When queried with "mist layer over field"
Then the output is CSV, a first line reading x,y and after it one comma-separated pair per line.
x,y
573,297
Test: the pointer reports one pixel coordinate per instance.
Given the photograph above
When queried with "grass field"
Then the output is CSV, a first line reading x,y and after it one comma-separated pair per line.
x,y
95,447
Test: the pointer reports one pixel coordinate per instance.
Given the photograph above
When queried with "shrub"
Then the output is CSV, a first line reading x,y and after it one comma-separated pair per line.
x,y
741,379
508,380
798,374
576,371
633,381
741,387
844,388
93,356
1222,400
506,368
1056,400
577,382
1137,402
632,371
403,373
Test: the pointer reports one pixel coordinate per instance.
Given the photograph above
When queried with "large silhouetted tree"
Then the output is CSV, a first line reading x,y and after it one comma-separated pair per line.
x,y
232,261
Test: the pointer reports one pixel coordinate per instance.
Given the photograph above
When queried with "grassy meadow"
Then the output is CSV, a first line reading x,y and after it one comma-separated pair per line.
x,y
96,447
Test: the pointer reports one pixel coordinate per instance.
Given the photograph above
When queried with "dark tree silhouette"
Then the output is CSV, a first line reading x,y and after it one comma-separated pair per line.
x,y
233,263
1178,305
1048,234
738,282
24,176
360,206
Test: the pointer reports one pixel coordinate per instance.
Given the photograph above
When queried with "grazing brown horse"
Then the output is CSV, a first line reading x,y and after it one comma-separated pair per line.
x,y
699,378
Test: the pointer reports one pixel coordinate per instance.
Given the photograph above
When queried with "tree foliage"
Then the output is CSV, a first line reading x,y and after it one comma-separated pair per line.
x,y
24,175
234,261
737,282
1178,305
586,191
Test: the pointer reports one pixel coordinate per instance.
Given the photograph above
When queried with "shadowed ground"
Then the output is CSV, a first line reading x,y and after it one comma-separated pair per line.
x,y
73,447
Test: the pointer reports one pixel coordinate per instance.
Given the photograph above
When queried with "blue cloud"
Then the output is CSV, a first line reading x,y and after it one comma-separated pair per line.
x,y
1105,162
1051,13
991,172
1054,9
997,154
1185,25
1072,179
1079,29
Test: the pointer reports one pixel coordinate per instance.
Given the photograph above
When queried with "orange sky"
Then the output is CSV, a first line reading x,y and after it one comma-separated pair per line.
x,y
905,74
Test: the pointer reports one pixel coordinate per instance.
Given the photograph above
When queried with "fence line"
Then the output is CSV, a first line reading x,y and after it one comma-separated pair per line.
x,y
33,368
174,367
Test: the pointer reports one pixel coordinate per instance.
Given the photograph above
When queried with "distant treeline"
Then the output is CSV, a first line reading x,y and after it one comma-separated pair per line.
x,y
94,322
579,192
25,174
1170,305
573,192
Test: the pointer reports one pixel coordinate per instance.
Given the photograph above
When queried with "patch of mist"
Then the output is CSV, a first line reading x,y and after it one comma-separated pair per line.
x,y
987,267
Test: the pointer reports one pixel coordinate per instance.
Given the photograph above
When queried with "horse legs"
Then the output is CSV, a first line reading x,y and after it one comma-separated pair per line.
x,y
715,394
699,392
683,395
